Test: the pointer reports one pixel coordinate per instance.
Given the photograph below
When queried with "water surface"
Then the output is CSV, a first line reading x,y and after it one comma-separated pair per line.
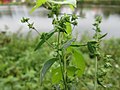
x,y
10,17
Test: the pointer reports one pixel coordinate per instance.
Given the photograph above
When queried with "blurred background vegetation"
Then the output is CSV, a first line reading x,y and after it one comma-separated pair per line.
x,y
20,65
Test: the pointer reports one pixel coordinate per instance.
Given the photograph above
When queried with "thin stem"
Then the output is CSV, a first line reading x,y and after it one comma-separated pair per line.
x,y
45,40
96,67
34,28
64,65
49,44
60,60
40,35
36,31
65,72
96,59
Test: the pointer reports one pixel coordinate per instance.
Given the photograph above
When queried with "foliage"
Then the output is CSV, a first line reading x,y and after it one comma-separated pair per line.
x,y
107,68
17,53
20,71
40,2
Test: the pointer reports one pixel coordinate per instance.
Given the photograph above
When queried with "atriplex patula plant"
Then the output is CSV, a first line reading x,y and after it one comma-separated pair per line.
x,y
95,51
67,63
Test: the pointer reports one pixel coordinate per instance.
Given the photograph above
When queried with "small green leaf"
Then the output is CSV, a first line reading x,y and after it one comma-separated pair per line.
x,y
68,43
91,47
102,36
93,42
43,40
75,45
78,60
71,2
68,28
46,67
56,75
71,7
38,4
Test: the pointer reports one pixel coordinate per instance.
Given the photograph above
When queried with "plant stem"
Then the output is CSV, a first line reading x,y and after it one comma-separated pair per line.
x,y
60,61
96,66
65,73
64,65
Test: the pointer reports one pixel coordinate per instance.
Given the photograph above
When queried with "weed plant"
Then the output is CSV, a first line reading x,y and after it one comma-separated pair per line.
x,y
64,58
68,64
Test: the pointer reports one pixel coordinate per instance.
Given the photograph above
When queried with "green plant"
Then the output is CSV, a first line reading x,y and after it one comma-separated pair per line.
x,y
95,51
67,62
20,65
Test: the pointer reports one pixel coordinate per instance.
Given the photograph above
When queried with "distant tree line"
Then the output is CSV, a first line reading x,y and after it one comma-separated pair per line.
x,y
105,2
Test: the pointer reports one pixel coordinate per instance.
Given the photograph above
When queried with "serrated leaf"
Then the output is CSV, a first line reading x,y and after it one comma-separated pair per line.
x,y
43,40
56,75
78,60
70,2
38,4
68,43
46,67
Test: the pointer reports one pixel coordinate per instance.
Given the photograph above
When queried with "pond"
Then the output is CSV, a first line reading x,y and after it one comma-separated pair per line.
x,y
10,17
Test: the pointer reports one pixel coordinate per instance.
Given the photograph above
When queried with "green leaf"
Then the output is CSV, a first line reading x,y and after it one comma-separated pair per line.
x,y
68,43
70,2
71,70
68,28
38,4
46,67
44,39
71,7
56,75
102,36
91,47
78,61
78,45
